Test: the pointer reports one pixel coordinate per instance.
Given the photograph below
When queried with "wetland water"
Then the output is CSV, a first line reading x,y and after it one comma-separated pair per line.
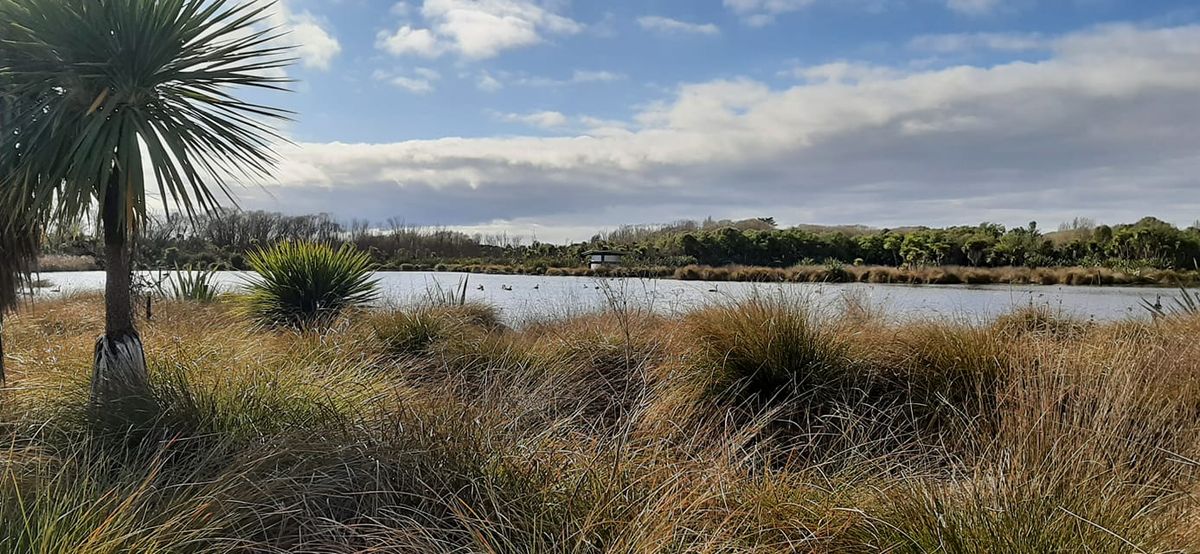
x,y
539,297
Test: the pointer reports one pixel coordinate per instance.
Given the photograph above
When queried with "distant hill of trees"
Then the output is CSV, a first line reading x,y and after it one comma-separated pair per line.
x,y
224,239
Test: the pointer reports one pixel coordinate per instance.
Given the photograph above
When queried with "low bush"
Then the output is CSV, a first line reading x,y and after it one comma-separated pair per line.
x,y
305,284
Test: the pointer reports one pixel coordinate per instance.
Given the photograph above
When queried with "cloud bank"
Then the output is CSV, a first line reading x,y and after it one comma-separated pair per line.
x,y
1105,126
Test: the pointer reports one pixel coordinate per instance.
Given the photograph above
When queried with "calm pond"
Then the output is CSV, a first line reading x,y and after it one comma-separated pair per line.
x,y
538,298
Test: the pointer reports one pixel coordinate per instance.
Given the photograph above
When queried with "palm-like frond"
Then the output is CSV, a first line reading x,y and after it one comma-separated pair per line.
x,y
302,284
116,89
18,250
20,221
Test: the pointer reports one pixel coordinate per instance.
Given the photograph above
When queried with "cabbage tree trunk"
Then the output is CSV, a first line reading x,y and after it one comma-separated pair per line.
x,y
119,374
2,379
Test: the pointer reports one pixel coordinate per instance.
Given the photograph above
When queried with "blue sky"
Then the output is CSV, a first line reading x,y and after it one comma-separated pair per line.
x,y
555,118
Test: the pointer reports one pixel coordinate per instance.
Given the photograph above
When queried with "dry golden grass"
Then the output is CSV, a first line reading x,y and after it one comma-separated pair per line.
x,y
62,262
759,426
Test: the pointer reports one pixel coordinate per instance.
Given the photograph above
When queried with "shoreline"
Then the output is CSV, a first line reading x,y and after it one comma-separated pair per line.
x,y
882,275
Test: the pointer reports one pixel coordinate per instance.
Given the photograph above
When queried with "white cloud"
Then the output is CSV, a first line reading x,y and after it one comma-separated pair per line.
x,y
407,40
666,25
586,76
314,45
973,7
488,83
541,120
965,42
476,29
762,12
844,72
421,80
757,13
1105,125
597,126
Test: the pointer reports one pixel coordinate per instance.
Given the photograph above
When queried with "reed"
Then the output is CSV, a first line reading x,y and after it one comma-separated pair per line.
x,y
945,275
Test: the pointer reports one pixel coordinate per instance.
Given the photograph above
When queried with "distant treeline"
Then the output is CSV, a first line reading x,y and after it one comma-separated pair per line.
x,y
223,240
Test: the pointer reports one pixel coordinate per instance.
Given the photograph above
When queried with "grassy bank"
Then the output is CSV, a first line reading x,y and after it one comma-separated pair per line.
x,y
919,275
943,275
752,427
62,262
937,275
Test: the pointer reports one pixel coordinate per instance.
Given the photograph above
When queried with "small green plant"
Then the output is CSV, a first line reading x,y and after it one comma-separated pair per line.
x,y
191,285
300,284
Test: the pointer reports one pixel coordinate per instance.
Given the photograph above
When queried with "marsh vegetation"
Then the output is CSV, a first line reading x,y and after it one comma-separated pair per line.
x,y
765,425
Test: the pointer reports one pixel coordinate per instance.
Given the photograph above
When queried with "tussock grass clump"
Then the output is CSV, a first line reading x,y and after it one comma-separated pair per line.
x,y
948,377
417,330
1091,451
302,284
766,346
84,499
1040,321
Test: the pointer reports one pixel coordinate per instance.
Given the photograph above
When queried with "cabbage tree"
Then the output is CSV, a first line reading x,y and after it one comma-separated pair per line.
x,y
19,224
18,250
130,96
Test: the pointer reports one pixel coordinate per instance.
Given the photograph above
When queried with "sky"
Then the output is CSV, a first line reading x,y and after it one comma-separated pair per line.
x,y
553,119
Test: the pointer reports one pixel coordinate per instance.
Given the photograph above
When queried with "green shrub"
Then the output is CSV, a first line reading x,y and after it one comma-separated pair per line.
x,y
301,284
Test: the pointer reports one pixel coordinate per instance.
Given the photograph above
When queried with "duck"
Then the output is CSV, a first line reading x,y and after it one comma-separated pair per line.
x,y
505,287
480,287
